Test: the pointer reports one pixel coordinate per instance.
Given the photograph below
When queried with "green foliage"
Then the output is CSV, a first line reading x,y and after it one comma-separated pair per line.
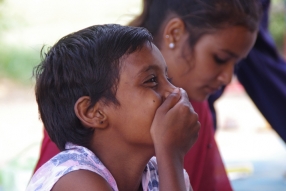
x,y
277,21
17,63
277,28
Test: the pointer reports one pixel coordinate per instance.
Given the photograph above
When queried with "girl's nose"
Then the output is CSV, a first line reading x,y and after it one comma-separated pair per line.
x,y
226,75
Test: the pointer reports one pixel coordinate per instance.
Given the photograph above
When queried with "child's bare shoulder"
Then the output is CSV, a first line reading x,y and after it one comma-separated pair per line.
x,y
82,180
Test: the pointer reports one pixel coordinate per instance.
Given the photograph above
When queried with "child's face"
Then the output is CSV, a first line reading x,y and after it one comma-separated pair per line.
x,y
142,88
211,63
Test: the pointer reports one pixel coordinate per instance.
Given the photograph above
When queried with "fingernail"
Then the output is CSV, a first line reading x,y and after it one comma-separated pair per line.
x,y
176,90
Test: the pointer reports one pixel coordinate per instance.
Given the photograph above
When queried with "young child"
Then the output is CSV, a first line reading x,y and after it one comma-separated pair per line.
x,y
105,100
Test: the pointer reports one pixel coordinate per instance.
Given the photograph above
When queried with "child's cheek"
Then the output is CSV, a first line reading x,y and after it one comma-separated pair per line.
x,y
157,100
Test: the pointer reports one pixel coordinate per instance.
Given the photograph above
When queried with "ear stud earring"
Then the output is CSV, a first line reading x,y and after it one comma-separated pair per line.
x,y
101,122
171,45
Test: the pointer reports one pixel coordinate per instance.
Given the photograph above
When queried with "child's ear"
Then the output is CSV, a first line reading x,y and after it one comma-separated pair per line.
x,y
90,117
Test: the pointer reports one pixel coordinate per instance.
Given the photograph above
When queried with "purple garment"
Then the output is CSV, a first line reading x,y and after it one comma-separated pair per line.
x,y
263,75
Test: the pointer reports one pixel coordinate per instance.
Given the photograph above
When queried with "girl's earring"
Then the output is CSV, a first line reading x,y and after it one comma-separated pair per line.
x,y
171,45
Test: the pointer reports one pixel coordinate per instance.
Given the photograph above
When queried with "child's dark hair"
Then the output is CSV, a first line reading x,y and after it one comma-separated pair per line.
x,y
84,63
200,16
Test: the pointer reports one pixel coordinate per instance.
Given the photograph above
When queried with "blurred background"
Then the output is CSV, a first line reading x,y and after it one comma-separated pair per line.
x,y
254,155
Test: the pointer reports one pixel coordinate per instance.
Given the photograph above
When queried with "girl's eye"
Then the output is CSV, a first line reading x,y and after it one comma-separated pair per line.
x,y
220,60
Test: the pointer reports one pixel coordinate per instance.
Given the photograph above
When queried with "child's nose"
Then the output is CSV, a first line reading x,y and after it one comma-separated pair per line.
x,y
168,89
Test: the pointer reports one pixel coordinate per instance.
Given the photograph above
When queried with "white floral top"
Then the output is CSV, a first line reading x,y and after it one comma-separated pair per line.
x,y
78,157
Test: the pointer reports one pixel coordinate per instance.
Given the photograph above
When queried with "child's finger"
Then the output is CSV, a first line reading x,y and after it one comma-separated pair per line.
x,y
170,101
185,97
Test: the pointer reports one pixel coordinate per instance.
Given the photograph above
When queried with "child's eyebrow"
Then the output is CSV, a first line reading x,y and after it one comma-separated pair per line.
x,y
147,68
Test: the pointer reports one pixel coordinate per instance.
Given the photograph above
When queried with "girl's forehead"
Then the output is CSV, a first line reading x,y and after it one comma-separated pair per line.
x,y
231,36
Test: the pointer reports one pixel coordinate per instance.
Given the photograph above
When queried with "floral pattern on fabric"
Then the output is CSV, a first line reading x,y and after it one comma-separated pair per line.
x,y
78,157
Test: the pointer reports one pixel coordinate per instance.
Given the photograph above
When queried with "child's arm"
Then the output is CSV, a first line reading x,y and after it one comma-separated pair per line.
x,y
174,130
81,180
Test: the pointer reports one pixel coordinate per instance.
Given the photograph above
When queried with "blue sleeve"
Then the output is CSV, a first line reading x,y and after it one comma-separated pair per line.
x,y
263,75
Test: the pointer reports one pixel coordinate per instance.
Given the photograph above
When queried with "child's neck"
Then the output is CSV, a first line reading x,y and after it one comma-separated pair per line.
x,y
126,163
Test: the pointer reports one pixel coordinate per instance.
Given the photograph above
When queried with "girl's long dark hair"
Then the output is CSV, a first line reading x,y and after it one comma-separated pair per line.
x,y
200,16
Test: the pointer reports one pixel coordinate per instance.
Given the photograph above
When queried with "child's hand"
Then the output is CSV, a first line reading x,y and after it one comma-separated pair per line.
x,y
175,126
174,130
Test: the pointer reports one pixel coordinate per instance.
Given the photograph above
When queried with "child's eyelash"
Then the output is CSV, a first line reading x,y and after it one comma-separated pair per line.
x,y
169,79
153,79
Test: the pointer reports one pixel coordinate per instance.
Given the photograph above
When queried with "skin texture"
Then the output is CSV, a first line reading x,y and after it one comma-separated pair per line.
x,y
154,117
210,64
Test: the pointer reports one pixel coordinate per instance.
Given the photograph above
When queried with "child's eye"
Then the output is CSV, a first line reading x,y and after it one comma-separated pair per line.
x,y
152,81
